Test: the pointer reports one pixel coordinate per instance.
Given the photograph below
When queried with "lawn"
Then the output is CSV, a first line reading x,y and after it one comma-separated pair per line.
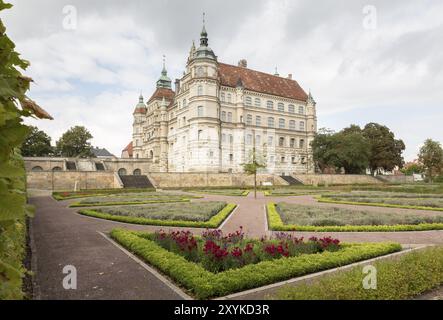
x,y
403,278
132,198
188,214
425,201
191,271
279,192
285,217
65,195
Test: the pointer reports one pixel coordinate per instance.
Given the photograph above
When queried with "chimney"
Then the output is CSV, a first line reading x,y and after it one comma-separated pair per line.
x,y
177,85
243,63
290,76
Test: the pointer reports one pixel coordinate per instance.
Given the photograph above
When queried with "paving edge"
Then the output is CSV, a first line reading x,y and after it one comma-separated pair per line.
x,y
36,292
261,292
154,272
228,217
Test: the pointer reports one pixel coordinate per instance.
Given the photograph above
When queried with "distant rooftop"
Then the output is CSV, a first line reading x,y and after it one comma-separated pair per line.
x,y
101,152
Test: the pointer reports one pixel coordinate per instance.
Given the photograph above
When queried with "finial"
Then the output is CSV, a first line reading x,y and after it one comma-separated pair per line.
x,y
276,72
203,18
164,65
140,98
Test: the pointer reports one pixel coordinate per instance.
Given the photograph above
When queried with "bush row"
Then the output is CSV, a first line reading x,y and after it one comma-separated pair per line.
x,y
121,203
65,195
378,204
275,223
214,222
402,278
204,284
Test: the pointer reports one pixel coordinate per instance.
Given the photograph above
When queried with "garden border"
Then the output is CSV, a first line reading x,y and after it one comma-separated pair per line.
x,y
214,222
204,284
276,224
128,203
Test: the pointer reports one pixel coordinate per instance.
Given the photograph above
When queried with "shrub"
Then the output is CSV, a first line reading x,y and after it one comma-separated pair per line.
x,y
213,222
401,278
275,223
204,284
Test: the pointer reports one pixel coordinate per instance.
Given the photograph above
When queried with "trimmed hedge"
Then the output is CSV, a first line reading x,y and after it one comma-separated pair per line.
x,y
214,222
379,204
275,223
58,195
122,203
403,278
204,284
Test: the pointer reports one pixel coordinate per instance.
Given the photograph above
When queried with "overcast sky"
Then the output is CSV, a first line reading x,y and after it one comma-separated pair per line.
x,y
359,69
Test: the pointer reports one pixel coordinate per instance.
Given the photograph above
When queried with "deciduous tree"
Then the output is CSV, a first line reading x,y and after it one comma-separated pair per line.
x,y
431,155
75,143
37,144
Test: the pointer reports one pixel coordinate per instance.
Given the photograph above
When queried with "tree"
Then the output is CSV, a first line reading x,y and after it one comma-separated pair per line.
x,y
37,144
346,149
431,155
13,204
386,151
253,166
74,143
412,167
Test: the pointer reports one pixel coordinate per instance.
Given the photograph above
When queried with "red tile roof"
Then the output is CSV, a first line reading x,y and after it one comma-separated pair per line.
x,y
261,82
159,93
128,149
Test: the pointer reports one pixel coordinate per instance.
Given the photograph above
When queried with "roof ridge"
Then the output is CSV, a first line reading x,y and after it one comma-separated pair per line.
x,y
262,72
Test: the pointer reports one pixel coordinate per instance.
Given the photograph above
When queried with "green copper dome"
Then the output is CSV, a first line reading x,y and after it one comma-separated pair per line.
x,y
164,81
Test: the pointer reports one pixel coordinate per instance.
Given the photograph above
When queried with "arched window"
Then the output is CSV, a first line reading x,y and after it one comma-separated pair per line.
x,y
292,124
258,121
249,119
248,101
137,172
291,108
122,172
229,97
229,116
302,143
281,123
271,122
200,90
200,134
302,125
223,116
57,169
301,110
151,154
200,111
257,102
281,142
270,105
281,107
222,96
37,168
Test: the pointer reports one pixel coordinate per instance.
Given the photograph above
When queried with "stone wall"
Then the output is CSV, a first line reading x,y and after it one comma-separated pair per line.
x,y
330,179
181,180
396,179
67,180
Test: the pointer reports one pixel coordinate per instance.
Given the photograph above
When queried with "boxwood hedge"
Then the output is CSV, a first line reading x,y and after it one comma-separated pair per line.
x,y
204,284
214,222
275,223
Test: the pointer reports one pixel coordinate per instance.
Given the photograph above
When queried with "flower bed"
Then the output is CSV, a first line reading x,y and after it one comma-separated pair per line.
x,y
65,195
224,192
204,284
196,214
132,198
327,222
282,192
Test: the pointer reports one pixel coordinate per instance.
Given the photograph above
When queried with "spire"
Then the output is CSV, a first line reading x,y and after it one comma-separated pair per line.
x,y
276,72
164,81
310,98
203,34
140,98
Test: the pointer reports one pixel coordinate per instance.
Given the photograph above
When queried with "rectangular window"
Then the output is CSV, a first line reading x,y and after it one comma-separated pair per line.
x,y
200,111
271,159
257,102
222,96
292,124
292,143
270,140
258,140
231,157
291,108
302,143
229,116
281,142
249,119
223,137
302,125
271,122
248,101
223,116
282,159
229,97
258,121
249,139
281,107
231,138
270,105
281,123
293,159
301,110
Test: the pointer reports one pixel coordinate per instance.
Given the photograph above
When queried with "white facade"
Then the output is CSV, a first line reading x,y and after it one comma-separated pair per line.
x,y
211,124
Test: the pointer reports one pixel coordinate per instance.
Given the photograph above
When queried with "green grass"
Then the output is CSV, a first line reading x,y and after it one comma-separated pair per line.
x,y
276,223
223,192
402,278
203,284
213,222
284,192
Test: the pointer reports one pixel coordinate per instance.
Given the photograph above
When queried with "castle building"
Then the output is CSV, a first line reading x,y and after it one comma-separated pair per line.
x,y
219,115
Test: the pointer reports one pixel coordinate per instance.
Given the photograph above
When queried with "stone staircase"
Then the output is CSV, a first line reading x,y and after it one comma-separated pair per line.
x,y
139,181
291,180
